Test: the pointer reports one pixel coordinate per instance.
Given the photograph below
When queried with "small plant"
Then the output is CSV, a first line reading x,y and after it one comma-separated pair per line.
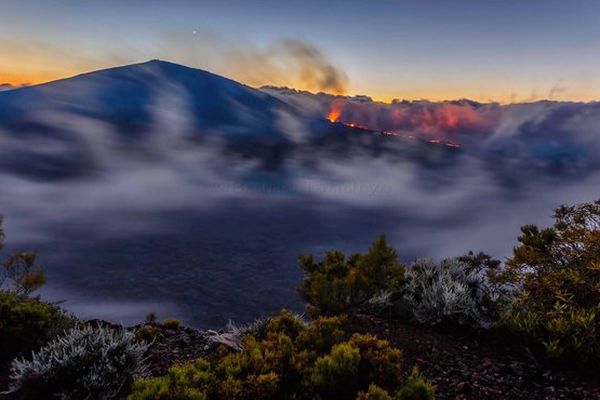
x,y
256,328
339,284
452,291
19,273
183,382
85,363
27,323
147,333
374,393
416,388
340,365
233,334
171,323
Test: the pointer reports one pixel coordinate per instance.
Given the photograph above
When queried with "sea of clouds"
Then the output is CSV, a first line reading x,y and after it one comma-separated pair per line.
x,y
177,220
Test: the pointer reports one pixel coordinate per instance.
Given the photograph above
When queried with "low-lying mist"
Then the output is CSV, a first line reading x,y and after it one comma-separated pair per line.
x,y
202,220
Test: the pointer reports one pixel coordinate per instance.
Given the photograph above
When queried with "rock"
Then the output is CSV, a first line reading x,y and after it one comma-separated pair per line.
x,y
517,368
549,390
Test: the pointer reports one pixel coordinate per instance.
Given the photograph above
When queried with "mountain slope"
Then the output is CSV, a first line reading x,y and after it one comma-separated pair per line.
x,y
127,97
72,126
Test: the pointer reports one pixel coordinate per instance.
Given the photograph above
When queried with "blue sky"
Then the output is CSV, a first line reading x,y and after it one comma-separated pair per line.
x,y
486,50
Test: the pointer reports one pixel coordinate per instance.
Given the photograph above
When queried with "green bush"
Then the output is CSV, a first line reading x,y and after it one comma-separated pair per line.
x,y
416,388
340,365
26,323
557,273
147,333
339,284
20,273
374,393
287,360
233,334
286,322
84,363
183,382
564,332
321,335
380,362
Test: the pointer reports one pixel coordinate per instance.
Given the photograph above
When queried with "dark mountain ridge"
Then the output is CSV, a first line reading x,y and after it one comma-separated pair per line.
x,y
124,97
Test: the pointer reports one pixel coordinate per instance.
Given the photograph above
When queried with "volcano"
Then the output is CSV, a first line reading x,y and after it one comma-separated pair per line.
x,y
55,125
64,129
126,96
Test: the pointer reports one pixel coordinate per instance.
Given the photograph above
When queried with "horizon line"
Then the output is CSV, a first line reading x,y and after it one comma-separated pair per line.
x,y
16,86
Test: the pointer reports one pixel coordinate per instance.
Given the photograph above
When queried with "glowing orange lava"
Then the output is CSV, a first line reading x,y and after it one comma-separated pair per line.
x,y
334,115
426,121
335,111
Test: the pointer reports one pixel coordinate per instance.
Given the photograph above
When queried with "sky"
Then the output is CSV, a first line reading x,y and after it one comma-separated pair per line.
x,y
486,50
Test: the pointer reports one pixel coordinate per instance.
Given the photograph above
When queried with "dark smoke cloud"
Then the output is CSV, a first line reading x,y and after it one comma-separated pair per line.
x,y
286,62
314,68
556,90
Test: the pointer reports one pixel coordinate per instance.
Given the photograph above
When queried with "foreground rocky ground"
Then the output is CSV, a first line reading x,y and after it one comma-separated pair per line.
x,y
461,366
466,367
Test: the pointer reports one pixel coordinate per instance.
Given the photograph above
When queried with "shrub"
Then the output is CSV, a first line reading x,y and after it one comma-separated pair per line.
x,y
287,322
85,363
321,335
380,362
28,323
147,333
21,274
184,382
341,365
374,393
287,360
338,284
171,323
255,328
416,388
25,323
456,291
231,337
557,272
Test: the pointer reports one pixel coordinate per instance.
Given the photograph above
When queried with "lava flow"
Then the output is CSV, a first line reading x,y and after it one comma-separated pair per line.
x,y
336,112
334,115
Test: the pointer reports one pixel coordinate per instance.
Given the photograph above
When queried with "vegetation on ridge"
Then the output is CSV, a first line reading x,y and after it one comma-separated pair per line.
x,y
547,294
557,271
